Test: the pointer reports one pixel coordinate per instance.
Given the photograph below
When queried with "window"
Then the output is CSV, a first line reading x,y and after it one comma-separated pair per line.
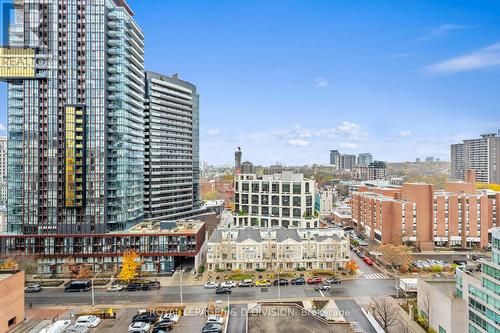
x,y
285,188
12,321
296,201
296,189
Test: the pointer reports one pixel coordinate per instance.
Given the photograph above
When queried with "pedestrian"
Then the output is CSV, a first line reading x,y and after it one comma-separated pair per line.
x,y
31,305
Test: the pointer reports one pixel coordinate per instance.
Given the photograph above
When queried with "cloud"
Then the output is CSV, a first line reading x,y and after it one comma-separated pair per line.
x,y
2,128
404,134
298,142
348,145
439,32
483,58
321,83
213,132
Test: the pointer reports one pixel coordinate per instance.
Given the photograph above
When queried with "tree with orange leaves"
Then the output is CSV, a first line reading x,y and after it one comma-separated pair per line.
x,y
130,266
352,266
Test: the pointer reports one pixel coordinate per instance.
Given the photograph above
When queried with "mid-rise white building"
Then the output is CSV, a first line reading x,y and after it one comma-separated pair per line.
x,y
283,248
279,200
325,198
481,155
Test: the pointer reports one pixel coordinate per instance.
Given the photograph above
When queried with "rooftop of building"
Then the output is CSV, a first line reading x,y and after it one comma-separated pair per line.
x,y
445,286
167,227
279,234
6,274
212,203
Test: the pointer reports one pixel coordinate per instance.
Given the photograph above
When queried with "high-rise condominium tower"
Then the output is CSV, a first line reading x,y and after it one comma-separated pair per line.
x,y
481,155
76,142
171,157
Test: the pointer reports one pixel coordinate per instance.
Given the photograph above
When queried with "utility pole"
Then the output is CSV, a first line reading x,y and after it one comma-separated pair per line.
x,y
182,270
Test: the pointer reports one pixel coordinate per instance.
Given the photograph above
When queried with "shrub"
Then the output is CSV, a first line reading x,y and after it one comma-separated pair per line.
x,y
201,269
431,330
301,269
437,268
220,270
260,269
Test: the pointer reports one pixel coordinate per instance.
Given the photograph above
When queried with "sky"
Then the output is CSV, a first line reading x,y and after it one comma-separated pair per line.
x,y
289,80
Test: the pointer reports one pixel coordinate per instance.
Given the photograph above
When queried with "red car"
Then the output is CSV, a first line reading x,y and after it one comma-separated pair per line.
x,y
368,261
314,280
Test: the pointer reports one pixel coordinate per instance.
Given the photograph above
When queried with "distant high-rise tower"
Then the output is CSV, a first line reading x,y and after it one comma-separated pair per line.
x,y
334,157
3,170
481,155
75,132
364,159
171,155
237,160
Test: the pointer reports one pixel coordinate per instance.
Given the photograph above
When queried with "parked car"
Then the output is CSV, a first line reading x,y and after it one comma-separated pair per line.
x,y
34,288
298,281
362,243
133,287
281,282
163,327
88,321
368,261
228,284
263,283
77,286
246,283
152,285
115,288
360,254
323,287
314,280
170,316
145,317
139,327
215,319
333,280
211,285
212,328
77,329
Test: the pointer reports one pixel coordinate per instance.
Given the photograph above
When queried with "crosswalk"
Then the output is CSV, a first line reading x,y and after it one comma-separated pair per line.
x,y
376,276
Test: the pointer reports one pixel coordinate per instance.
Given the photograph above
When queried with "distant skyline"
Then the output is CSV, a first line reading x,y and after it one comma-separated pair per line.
x,y
289,80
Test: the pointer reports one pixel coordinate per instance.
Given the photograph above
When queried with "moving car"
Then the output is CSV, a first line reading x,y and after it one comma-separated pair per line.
x,y
333,280
34,288
77,286
215,319
115,288
163,327
298,281
281,282
368,261
145,317
322,287
314,280
139,327
228,284
263,283
88,321
170,316
212,328
211,285
246,283
220,291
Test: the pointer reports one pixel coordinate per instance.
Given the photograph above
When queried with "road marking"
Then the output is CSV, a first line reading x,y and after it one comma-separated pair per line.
x,y
376,276
322,295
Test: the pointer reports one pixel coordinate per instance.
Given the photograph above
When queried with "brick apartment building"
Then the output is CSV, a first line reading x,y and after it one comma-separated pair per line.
x,y
459,216
224,189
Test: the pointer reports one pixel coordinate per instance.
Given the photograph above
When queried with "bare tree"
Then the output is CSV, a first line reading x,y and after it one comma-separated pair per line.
x,y
385,312
425,303
403,327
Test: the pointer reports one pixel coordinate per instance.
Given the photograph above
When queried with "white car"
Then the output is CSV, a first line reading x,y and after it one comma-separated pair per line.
x,y
139,327
77,329
88,321
115,288
211,285
170,316
215,319
228,284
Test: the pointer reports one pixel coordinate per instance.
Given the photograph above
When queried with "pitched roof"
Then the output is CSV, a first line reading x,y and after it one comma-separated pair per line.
x,y
216,236
322,238
249,233
285,233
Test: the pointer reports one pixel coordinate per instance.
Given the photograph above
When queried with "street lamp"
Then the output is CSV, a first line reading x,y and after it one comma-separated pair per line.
x,y
182,271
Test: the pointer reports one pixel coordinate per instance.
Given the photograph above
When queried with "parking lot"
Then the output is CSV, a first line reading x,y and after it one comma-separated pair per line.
x,y
186,324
